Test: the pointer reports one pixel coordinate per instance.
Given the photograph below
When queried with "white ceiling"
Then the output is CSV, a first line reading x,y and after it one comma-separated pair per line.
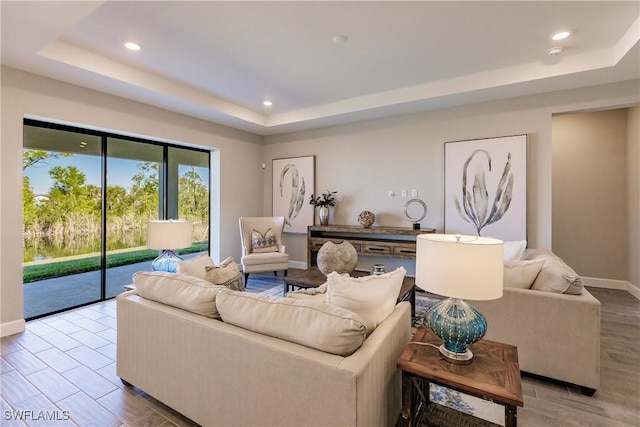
x,y
219,61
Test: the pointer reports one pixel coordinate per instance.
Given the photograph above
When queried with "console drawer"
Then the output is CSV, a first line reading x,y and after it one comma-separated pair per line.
x,y
404,251
375,250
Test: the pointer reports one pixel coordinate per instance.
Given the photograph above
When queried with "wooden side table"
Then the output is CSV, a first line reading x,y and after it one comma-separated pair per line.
x,y
493,375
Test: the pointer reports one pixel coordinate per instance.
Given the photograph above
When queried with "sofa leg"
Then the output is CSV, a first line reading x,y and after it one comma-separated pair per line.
x,y
126,383
285,273
246,279
275,273
586,391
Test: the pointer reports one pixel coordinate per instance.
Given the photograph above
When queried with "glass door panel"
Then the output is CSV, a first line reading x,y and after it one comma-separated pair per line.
x,y
62,227
188,195
133,198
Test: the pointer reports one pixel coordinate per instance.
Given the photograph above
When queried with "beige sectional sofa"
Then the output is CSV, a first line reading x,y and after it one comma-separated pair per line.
x,y
218,374
557,334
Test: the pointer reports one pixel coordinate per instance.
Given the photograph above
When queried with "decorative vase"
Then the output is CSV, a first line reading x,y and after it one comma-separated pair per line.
x,y
366,219
339,257
323,215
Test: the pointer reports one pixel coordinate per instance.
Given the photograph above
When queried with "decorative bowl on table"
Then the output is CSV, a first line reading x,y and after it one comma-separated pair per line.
x,y
366,219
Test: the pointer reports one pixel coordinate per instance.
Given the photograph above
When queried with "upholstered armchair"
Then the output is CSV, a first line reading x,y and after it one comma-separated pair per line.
x,y
262,248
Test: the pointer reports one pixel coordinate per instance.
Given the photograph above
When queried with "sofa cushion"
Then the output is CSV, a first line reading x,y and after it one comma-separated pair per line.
x,y
195,267
372,297
262,242
557,276
178,290
265,258
310,323
226,274
521,274
514,250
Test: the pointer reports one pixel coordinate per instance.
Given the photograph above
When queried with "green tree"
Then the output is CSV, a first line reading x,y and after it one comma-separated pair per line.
x,y
33,157
29,206
144,193
193,200
73,206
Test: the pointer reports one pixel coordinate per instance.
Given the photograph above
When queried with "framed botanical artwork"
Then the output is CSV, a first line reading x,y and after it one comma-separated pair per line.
x,y
485,187
293,182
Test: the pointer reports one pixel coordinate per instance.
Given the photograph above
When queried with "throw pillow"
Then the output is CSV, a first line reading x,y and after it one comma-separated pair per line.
x,y
372,297
263,242
521,274
226,274
195,267
185,292
310,323
514,251
557,276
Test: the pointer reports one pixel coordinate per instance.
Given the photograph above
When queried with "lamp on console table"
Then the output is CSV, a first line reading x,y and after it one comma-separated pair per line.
x,y
166,236
458,267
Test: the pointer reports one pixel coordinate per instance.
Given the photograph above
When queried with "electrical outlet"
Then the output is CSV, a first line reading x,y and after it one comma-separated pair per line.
x,y
414,192
404,193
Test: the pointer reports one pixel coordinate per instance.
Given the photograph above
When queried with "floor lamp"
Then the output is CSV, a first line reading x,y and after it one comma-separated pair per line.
x,y
459,267
168,235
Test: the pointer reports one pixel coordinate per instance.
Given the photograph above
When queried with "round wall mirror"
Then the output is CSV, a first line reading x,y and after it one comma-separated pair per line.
x,y
415,210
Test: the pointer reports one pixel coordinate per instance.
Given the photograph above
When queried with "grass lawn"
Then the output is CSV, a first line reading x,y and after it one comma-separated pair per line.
x,y
49,270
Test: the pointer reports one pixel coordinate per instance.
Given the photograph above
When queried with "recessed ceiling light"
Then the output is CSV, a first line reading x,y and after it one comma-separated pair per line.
x,y
132,46
560,35
339,39
554,51
267,103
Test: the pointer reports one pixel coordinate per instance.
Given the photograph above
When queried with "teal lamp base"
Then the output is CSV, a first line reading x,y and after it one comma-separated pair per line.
x,y
459,325
167,261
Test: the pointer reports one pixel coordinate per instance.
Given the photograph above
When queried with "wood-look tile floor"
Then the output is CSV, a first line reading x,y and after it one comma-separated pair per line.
x,y
66,362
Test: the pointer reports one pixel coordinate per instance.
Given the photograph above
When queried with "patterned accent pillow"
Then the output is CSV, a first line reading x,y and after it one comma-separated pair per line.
x,y
226,274
263,242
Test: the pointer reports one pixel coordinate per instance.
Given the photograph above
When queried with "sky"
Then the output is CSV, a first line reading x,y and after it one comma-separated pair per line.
x,y
121,171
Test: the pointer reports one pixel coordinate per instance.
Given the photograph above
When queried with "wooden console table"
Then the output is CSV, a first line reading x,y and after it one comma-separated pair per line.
x,y
392,242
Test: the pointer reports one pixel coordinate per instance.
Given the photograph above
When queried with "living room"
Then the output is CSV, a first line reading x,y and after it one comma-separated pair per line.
x,y
363,161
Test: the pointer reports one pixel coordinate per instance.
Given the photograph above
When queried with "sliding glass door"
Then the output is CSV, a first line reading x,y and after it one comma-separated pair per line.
x,y
88,197
62,227
188,172
133,198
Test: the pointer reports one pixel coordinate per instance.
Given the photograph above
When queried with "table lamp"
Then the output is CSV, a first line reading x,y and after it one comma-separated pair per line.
x,y
458,267
168,235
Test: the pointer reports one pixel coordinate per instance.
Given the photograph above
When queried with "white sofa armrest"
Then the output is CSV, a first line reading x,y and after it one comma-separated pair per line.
x,y
557,335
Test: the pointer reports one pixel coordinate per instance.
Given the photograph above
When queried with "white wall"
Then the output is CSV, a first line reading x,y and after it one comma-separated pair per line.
x,y
589,192
633,189
363,161
238,154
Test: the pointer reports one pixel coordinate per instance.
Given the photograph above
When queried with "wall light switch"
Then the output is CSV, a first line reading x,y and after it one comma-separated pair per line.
x,y
404,193
392,193
414,192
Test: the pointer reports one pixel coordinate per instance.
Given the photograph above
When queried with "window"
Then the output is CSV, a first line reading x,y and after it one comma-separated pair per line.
x,y
87,199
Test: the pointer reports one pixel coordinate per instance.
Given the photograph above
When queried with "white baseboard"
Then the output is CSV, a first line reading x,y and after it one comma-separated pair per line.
x,y
298,264
622,285
11,328
633,290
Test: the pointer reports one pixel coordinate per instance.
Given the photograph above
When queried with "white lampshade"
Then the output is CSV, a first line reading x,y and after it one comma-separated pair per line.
x,y
464,267
170,234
